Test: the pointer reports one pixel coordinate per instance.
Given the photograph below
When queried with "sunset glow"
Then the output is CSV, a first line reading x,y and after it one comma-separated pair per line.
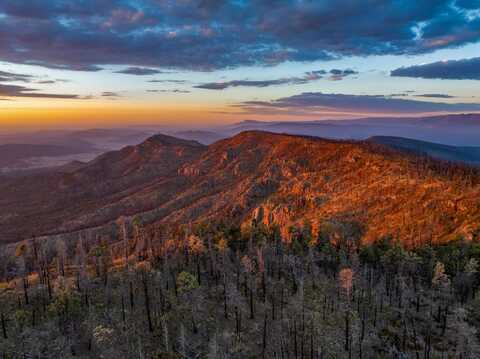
x,y
132,62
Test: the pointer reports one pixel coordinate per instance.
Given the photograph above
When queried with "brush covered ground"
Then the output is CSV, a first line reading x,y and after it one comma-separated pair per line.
x,y
218,291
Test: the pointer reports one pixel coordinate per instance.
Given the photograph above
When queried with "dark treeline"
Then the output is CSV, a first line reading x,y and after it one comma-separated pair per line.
x,y
220,291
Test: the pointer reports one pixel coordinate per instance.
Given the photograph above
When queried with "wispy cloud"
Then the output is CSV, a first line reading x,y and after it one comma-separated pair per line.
x,y
310,76
110,94
168,81
466,69
312,103
337,75
169,91
6,76
46,82
435,95
22,91
139,71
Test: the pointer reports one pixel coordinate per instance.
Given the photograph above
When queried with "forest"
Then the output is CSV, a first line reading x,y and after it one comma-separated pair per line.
x,y
219,290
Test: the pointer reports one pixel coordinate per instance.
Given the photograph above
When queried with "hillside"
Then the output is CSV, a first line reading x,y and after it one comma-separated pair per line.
x,y
46,202
344,187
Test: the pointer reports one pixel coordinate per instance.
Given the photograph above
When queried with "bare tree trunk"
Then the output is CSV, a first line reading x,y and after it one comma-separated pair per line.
x,y
132,299
238,321
25,290
123,310
264,342
147,302
347,331
4,326
252,309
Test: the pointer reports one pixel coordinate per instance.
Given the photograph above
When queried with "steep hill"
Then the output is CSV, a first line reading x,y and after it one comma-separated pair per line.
x,y
346,187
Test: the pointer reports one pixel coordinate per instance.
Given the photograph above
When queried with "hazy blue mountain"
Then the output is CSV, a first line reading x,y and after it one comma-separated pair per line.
x,y
455,130
466,154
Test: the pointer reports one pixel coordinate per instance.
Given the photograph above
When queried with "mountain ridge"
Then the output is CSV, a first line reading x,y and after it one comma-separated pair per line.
x,y
276,179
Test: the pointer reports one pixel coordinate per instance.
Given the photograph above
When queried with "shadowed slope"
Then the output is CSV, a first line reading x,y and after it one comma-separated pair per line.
x,y
46,203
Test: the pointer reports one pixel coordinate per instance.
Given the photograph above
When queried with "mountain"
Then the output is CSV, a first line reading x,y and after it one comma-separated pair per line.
x,y
454,130
205,137
112,138
470,155
350,186
93,193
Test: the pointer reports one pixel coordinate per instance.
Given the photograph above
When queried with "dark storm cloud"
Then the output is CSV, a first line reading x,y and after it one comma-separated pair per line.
x,y
213,34
139,71
466,69
315,102
335,75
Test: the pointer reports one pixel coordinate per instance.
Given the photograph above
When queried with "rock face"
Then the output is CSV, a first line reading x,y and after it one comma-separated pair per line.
x,y
276,179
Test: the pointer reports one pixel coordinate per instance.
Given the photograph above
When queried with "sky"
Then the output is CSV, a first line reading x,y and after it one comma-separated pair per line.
x,y
97,63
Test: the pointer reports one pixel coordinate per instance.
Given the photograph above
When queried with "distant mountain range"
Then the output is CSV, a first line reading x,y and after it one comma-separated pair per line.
x,y
452,130
32,151
204,137
469,155
17,155
277,179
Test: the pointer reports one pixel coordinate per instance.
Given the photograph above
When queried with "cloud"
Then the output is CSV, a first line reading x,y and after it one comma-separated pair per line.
x,y
110,94
435,95
251,83
335,75
206,35
403,94
14,77
466,69
21,91
169,91
168,81
312,103
46,82
9,90
139,71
